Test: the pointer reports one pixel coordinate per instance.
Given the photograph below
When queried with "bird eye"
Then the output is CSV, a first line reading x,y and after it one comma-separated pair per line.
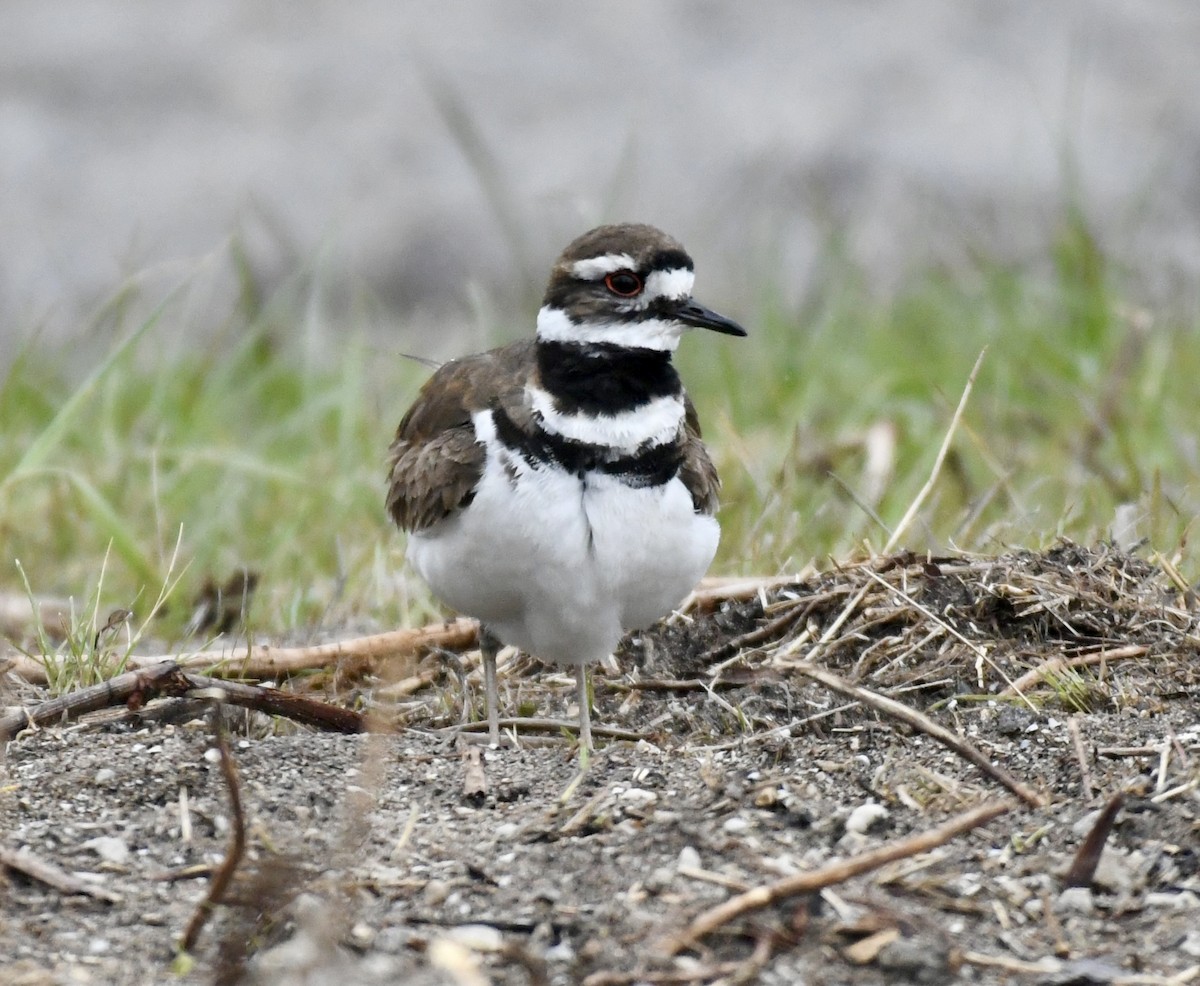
x,y
624,283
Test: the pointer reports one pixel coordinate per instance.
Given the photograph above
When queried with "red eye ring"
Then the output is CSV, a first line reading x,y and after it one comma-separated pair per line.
x,y
624,283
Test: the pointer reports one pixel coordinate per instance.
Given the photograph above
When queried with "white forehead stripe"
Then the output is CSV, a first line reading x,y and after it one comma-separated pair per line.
x,y
553,325
675,284
595,268
654,423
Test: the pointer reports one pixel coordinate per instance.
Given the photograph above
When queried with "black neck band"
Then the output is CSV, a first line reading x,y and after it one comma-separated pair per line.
x,y
604,378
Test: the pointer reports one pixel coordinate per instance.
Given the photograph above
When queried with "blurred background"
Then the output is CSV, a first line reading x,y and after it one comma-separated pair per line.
x,y
425,156
227,224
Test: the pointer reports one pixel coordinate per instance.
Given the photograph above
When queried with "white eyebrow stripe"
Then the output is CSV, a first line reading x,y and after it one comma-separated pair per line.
x,y
593,268
675,283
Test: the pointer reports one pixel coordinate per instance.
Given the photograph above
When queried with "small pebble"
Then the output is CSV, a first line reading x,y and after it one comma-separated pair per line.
x,y
1076,900
362,934
436,892
109,848
689,859
1185,900
638,796
562,952
736,825
865,817
1119,872
966,884
659,879
545,891
477,937
506,830
1017,892
392,939
105,775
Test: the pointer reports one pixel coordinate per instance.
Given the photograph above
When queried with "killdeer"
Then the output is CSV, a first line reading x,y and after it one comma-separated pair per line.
x,y
557,488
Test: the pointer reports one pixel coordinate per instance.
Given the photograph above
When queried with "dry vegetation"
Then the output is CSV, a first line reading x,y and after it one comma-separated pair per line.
x,y
915,768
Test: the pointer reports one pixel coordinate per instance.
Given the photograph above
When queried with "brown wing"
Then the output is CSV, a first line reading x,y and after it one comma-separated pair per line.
x,y
434,461
698,473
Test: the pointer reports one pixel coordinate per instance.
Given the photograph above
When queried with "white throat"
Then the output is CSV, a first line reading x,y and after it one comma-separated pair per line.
x,y
662,335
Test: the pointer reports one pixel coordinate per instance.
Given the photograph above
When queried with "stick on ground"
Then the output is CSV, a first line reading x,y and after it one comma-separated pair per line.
x,y
1057,665
922,723
276,702
237,842
23,861
833,873
145,683
906,520
1087,858
359,654
167,679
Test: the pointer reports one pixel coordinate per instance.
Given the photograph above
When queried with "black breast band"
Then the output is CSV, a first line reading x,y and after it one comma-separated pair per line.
x,y
651,465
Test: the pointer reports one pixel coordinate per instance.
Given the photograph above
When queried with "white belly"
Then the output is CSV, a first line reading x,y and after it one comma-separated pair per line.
x,y
561,567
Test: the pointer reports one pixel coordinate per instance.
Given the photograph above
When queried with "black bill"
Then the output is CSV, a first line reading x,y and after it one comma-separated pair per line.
x,y
699,317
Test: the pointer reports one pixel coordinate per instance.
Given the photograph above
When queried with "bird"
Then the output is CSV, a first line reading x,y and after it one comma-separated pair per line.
x,y
557,488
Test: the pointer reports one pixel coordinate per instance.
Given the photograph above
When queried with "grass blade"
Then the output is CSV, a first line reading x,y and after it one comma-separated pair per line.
x,y
51,436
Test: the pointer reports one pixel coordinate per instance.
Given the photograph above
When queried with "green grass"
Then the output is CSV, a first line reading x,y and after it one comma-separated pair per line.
x,y
248,454
1082,404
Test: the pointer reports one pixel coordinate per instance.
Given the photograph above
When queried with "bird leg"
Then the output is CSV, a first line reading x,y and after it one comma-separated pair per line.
x,y
489,647
585,712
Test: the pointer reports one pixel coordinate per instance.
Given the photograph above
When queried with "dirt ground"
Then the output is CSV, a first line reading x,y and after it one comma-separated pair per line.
x,y
407,855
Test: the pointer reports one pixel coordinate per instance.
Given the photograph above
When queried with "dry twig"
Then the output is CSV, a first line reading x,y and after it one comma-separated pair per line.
x,y
358,655
1057,665
833,873
1050,966
795,610
718,972
276,702
1085,772
237,842
23,861
1087,858
134,688
902,527
714,590
922,723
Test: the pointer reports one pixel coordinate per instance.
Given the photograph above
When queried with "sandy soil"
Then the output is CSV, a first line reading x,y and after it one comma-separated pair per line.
x,y
377,859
